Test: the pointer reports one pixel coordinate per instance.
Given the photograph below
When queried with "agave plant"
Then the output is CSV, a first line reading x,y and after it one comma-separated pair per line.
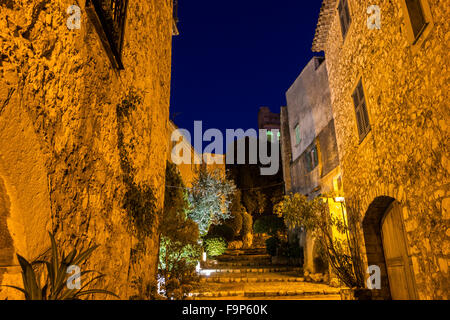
x,y
55,285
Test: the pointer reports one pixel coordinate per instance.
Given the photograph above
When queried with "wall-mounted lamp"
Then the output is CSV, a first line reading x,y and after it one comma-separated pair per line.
x,y
339,199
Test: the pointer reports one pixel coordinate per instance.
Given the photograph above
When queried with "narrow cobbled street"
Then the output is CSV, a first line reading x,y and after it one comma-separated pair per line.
x,y
249,274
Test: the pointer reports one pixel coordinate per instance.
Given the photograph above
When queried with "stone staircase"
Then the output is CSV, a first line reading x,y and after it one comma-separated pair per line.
x,y
249,274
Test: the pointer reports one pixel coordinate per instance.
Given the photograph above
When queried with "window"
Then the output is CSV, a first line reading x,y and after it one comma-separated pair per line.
x,y
312,159
416,16
109,18
362,117
344,16
298,138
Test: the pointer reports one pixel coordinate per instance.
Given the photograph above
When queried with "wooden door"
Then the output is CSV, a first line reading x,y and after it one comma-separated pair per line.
x,y
398,263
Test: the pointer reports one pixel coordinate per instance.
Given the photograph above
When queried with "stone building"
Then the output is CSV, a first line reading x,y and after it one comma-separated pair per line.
x,y
389,88
83,122
286,151
307,128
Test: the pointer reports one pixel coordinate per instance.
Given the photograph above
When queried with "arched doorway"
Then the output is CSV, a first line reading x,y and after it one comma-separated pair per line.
x,y
386,247
398,262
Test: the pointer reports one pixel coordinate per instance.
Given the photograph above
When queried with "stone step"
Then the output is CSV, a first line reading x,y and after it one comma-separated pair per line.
x,y
268,293
254,270
249,280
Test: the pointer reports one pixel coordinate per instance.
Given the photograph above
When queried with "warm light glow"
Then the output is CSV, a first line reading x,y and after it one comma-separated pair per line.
x,y
339,199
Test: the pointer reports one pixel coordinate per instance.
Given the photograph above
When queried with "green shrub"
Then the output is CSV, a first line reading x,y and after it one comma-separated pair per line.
x,y
272,245
268,225
215,246
221,231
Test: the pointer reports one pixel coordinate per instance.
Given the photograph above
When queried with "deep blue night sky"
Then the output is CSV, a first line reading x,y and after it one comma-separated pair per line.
x,y
232,57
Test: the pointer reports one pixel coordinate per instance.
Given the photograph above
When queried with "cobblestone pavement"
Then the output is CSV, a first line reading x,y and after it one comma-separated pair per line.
x,y
231,278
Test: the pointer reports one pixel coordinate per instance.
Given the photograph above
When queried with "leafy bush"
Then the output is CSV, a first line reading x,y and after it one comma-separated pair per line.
x,y
268,225
341,252
221,231
55,284
210,197
272,245
215,246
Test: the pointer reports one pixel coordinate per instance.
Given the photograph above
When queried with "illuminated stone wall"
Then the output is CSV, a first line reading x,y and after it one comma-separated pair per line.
x,y
59,154
405,156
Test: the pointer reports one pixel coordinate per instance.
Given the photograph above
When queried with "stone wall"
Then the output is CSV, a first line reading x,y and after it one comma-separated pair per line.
x,y
60,164
405,156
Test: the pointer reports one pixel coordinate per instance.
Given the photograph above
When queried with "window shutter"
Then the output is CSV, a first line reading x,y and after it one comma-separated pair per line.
x,y
359,123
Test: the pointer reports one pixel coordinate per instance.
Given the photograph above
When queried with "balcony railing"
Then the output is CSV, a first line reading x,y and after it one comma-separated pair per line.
x,y
108,17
